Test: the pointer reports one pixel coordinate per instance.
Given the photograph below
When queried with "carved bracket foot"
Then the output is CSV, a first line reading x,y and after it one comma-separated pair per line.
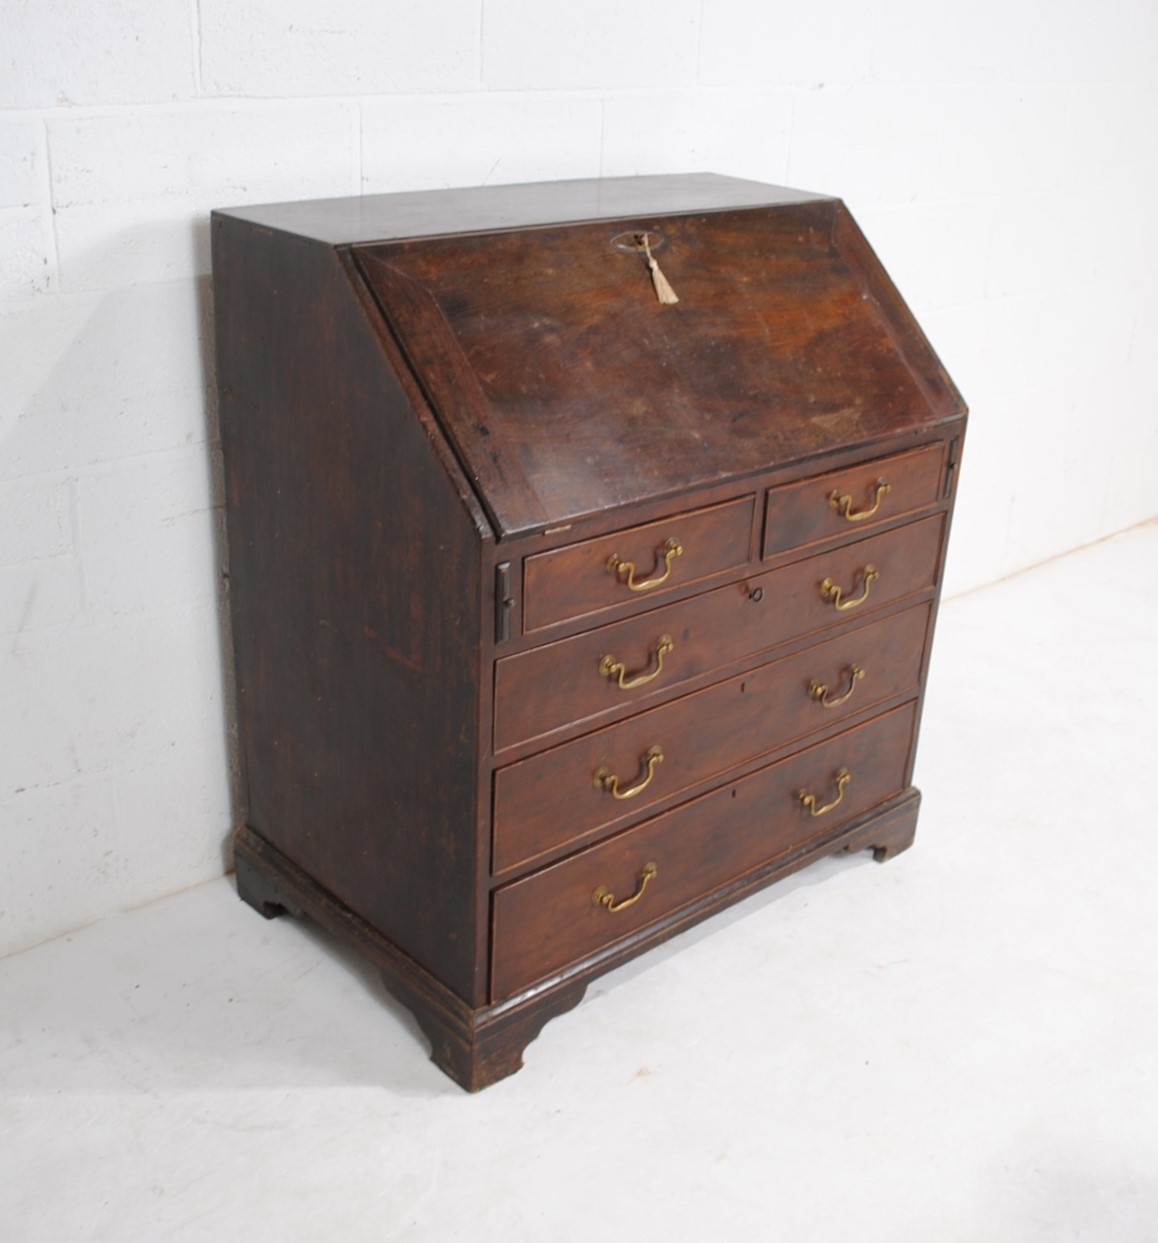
x,y
474,1046
261,891
890,833
480,1048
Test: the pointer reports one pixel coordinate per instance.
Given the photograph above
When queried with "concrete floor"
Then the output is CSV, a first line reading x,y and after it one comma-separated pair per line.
x,y
959,1045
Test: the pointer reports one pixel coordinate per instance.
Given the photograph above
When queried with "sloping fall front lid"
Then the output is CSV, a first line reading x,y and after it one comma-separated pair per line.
x,y
566,387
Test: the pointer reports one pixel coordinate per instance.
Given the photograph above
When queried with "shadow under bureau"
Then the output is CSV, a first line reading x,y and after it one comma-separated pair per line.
x,y
585,542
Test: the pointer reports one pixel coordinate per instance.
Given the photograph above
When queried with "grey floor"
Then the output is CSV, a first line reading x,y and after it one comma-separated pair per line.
x,y
959,1045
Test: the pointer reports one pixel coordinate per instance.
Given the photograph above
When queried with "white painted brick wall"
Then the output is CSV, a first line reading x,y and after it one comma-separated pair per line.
x,y
998,156
35,518
34,595
600,44
27,248
689,129
283,48
466,140
73,53
132,191
94,379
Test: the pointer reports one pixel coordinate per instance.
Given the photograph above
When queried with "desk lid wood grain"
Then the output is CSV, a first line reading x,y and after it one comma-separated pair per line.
x,y
567,388
563,385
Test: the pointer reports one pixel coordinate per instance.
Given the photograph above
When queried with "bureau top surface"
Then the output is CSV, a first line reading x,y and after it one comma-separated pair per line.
x,y
484,209
529,316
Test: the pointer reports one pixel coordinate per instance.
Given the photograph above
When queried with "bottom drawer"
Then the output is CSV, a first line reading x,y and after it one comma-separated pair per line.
x,y
602,895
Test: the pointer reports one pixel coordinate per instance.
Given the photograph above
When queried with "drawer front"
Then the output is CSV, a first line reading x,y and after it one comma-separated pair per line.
x,y
630,663
571,793
844,502
635,565
554,917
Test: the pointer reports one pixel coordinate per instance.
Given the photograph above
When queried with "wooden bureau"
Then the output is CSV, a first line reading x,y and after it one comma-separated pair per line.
x,y
563,615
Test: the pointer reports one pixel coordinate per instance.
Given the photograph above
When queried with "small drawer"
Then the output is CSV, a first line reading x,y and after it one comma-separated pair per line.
x,y
635,565
627,665
844,502
589,901
566,796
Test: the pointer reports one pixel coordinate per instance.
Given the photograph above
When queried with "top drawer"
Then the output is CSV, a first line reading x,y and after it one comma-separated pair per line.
x,y
850,500
636,564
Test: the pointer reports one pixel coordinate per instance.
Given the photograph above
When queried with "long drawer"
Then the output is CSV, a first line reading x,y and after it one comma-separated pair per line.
x,y
621,667
591,900
570,793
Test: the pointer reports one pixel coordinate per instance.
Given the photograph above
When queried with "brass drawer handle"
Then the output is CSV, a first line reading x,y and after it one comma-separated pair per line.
x,y
606,780
604,897
843,777
616,670
625,570
830,591
843,503
819,692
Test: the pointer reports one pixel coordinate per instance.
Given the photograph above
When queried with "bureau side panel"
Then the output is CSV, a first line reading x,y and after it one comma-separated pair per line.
x,y
355,587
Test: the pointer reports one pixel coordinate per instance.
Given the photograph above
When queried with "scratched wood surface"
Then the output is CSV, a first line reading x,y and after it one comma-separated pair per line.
x,y
567,388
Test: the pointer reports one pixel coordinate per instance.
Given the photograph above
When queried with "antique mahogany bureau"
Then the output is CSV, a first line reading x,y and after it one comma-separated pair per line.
x,y
585,542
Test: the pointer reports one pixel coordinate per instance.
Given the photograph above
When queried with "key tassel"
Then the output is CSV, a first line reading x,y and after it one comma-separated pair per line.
x,y
663,291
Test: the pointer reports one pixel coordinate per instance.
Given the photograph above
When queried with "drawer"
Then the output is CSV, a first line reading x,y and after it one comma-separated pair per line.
x,y
566,795
636,564
554,917
847,501
631,663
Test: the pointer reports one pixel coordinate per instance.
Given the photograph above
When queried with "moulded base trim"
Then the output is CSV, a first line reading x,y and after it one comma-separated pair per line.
x,y
478,1046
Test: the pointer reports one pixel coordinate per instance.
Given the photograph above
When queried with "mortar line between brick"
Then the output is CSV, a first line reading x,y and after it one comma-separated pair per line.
x,y
700,44
602,134
360,146
195,16
788,146
482,44
54,275
120,863
77,548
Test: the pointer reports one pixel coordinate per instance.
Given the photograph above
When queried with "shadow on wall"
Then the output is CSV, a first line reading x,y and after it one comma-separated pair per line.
x,y
208,344
118,769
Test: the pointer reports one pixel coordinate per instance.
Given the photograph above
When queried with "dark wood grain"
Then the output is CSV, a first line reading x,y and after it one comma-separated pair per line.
x,y
802,513
542,690
339,511
889,833
576,581
478,1045
489,209
441,414
551,801
548,919
475,1045
568,389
